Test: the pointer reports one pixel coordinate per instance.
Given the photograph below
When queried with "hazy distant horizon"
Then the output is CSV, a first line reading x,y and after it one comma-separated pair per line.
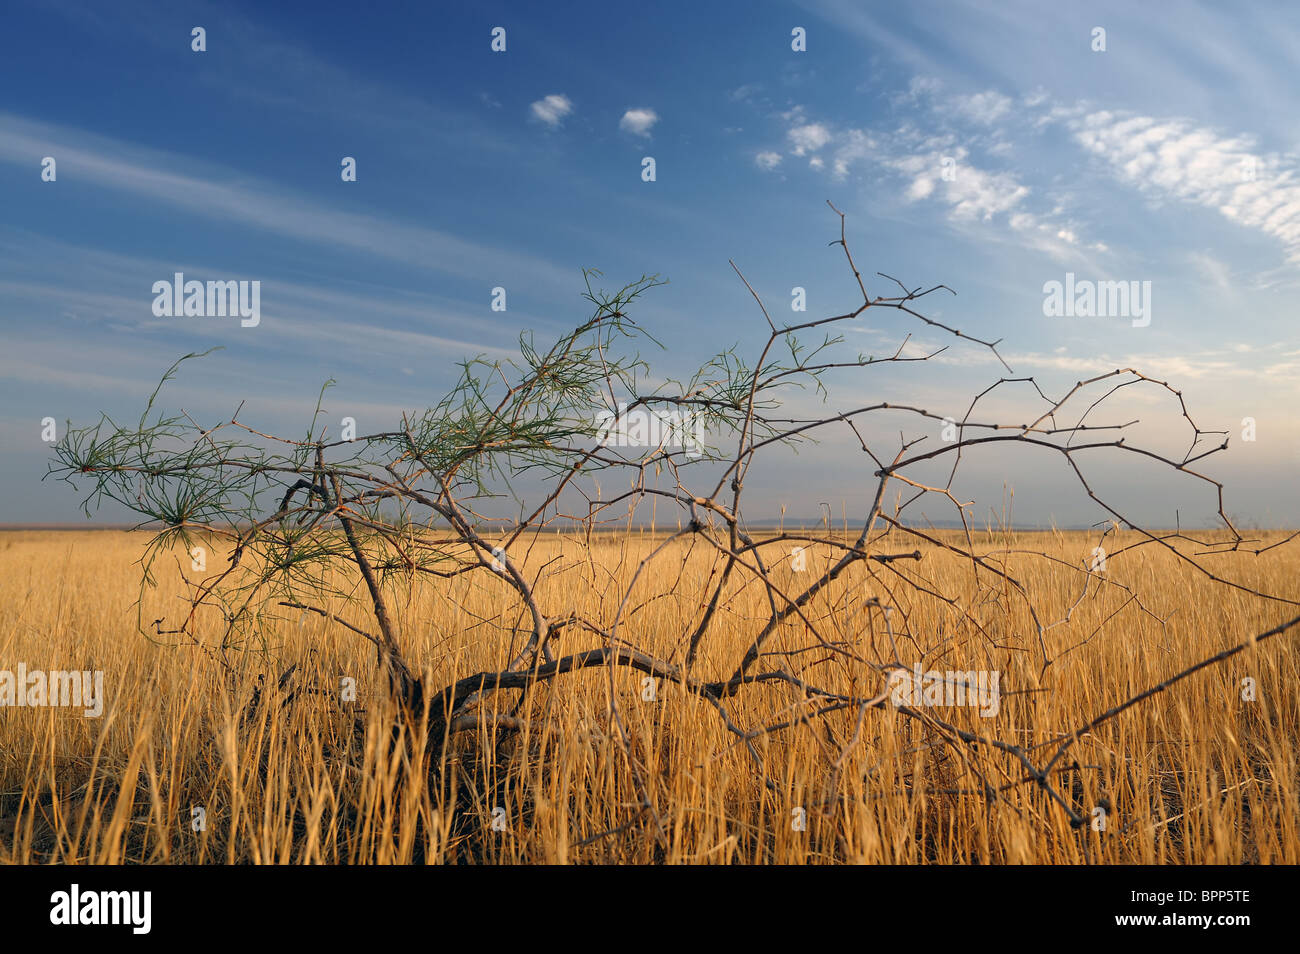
x,y
764,524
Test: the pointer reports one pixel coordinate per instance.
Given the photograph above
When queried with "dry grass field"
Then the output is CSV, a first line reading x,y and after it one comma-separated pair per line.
x,y
187,765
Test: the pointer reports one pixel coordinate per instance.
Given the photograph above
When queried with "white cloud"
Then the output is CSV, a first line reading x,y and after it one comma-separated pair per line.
x,y
920,188
985,108
971,194
1173,158
552,109
921,86
1036,98
767,161
638,121
853,146
809,138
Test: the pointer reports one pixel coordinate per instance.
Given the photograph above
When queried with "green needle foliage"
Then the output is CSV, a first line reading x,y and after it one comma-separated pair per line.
x,y
315,523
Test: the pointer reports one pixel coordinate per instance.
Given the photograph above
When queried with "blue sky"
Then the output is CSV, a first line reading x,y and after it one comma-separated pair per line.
x,y
478,169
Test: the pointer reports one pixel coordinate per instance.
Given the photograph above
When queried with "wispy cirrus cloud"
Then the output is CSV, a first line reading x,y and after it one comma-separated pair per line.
x,y
1191,365
113,290
217,193
932,165
1178,159
1167,159
984,108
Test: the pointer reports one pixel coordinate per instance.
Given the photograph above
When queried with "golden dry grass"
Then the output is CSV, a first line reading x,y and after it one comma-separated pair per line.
x,y
1195,775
